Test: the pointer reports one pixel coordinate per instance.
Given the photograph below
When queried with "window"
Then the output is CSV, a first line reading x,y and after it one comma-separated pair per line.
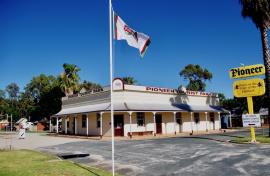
x,y
98,120
140,118
84,120
196,117
179,118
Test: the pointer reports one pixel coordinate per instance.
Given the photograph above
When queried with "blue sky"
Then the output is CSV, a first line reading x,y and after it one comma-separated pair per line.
x,y
38,36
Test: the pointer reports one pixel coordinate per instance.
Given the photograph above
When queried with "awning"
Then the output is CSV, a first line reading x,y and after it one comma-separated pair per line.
x,y
152,107
144,107
199,108
84,109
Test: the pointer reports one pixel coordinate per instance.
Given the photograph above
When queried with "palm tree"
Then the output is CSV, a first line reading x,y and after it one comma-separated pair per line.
x,y
129,80
259,12
69,79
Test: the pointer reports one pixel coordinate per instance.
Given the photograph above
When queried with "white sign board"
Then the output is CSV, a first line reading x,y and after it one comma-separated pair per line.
x,y
251,120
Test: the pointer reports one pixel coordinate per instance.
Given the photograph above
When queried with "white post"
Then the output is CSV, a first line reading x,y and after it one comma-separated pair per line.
x,y
87,124
206,122
75,118
11,123
56,124
50,124
174,118
230,120
65,124
130,122
219,120
111,81
191,122
7,123
154,120
101,122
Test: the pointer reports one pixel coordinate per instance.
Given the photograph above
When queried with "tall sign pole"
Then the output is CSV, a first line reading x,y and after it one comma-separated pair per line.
x,y
111,80
250,111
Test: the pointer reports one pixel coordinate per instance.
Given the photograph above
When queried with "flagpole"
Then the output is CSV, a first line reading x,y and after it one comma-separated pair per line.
x,y
111,80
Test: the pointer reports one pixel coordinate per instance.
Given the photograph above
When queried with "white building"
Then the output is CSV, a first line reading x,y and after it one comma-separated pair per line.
x,y
139,110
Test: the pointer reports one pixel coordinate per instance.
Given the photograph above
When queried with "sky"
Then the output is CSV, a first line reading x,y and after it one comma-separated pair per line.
x,y
39,36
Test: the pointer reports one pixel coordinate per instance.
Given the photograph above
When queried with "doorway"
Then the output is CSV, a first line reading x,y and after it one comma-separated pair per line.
x,y
159,123
73,125
118,125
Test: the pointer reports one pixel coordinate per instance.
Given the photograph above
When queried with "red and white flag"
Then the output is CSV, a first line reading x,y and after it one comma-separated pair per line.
x,y
135,39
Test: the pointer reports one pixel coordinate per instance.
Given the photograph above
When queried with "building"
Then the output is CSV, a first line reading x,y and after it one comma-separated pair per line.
x,y
3,124
264,115
138,110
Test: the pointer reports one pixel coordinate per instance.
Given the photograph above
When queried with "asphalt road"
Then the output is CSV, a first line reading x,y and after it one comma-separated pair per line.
x,y
174,156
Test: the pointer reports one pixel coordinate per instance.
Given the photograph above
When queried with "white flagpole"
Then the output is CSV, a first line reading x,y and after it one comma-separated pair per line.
x,y
111,80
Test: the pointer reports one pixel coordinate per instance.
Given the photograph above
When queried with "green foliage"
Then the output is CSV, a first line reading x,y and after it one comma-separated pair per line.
x,y
12,90
39,85
50,102
258,11
69,79
2,94
42,95
89,85
233,103
222,98
129,80
196,77
259,138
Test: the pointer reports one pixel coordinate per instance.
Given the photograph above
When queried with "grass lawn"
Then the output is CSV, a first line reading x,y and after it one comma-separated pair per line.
x,y
259,138
32,163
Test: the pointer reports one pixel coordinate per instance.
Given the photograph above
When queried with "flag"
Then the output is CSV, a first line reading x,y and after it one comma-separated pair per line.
x,y
135,39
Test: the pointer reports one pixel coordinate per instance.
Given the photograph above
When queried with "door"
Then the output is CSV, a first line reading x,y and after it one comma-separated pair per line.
x,y
212,119
179,122
159,123
73,125
118,125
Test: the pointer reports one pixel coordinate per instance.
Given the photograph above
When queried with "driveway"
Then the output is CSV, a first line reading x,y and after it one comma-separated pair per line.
x,y
172,156
32,140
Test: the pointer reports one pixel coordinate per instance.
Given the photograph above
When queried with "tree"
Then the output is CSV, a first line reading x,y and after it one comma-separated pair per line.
x,y
259,12
89,85
69,79
13,91
26,105
222,98
196,77
2,94
39,85
42,97
129,80
50,102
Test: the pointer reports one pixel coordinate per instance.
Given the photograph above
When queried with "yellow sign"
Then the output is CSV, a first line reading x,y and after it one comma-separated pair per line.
x,y
249,88
246,71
